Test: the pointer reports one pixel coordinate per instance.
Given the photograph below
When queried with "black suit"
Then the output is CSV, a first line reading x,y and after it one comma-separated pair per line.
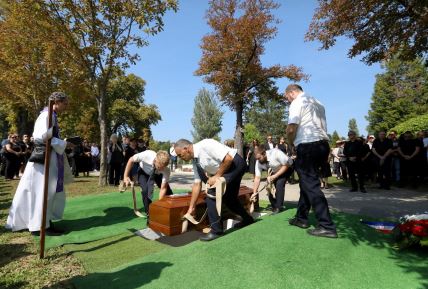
x,y
267,147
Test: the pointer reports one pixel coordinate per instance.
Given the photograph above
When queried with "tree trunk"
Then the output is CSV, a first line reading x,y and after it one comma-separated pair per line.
x,y
101,104
239,135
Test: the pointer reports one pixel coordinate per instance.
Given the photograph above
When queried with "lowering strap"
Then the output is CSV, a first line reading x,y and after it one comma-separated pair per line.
x,y
270,188
122,188
220,189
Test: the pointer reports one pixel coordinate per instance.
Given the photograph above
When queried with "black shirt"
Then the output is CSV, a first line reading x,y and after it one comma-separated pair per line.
x,y
354,149
382,146
407,146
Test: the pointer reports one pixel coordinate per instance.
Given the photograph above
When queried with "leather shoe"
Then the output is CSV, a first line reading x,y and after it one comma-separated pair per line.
x,y
210,236
48,232
296,222
242,224
276,211
321,232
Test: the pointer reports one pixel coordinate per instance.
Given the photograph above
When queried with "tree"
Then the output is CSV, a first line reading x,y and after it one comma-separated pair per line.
x,y
251,132
207,116
34,62
334,138
128,114
268,116
400,93
231,54
414,124
99,34
352,125
380,28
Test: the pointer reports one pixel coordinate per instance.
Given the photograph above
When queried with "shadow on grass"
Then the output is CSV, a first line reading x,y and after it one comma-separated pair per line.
x,y
12,285
112,216
413,260
102,245
131,277
11,252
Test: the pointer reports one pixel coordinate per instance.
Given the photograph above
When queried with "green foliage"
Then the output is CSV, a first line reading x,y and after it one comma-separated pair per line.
x,y
127,112
352,125
251,132
415,124
400,93
159,145
269,116
207,116
334,137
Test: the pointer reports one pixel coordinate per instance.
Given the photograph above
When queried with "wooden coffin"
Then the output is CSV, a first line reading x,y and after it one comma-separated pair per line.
x,y
166,214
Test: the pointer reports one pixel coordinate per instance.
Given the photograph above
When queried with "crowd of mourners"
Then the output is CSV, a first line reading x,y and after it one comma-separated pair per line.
x,y
388,159
82,158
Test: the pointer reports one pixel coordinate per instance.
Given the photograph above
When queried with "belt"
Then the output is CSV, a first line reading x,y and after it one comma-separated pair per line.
x,y
315,142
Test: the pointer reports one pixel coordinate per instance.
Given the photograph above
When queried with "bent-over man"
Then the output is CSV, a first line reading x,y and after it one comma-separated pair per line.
x,y
153,169
211,161
279,162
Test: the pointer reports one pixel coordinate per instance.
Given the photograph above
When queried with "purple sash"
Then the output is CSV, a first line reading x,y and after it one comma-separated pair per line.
x,y
59,158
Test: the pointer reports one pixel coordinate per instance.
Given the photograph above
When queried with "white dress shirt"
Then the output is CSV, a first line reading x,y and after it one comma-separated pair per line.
x,y
309,115
147,160
210,154
276,159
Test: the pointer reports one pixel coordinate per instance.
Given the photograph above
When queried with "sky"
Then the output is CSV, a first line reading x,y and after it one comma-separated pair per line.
x,y
168,64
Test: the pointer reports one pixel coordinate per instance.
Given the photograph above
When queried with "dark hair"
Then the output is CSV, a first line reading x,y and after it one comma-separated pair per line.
x,y
58,96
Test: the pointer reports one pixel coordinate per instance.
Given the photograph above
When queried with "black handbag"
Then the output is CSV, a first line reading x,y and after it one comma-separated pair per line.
x,y
38,153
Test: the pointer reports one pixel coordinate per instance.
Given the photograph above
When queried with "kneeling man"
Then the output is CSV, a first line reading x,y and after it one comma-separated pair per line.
x,y
153,169
211,161
279,163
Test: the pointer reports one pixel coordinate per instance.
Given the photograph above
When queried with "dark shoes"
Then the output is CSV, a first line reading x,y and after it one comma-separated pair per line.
x,y
276,211
353,190
296,222
363,190
242,224
49,232
321,232
210,236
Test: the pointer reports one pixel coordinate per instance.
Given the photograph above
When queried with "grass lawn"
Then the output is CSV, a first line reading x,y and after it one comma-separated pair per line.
x,y
102,252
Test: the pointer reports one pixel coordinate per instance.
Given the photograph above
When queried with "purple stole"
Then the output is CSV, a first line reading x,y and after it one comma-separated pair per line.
x,y
59,158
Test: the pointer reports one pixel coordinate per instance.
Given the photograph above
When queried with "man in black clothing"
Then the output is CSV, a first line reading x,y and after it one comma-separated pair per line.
x,y
353,151
270,144
382,149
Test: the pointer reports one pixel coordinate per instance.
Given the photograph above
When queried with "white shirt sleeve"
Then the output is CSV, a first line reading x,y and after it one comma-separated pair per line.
x,y
196,174
138,158
257,169
217,150
165,175
294,113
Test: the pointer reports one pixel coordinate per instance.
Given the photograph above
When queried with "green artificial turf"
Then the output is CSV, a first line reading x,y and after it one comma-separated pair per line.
x,y
268,254
109,253
95,217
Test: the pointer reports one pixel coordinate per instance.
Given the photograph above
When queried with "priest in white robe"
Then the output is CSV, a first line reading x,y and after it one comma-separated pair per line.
x,y
26,210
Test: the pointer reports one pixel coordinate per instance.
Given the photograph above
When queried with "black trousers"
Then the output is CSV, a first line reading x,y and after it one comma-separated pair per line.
x,y
114,172
310,158
279,183
344,170
146,183
230,198
384,173
355,171
12,167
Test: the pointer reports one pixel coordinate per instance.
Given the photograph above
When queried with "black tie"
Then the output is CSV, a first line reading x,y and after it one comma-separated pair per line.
x,y
200,170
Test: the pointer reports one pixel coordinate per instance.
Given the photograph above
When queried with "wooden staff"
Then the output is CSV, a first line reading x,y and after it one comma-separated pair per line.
x,y
46,184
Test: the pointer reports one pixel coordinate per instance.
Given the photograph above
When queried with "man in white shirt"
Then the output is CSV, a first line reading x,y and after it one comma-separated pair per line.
x,y
279,162
153,169
173,156
307,129
212,160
